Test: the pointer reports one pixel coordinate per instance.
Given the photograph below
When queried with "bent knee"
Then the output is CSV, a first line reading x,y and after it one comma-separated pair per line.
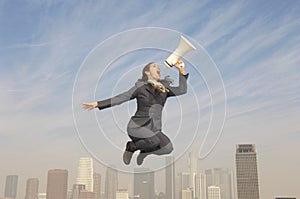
x,y
168,148
153,141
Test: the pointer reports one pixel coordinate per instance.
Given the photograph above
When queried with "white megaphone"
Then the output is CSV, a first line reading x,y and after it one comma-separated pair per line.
x,y
183,47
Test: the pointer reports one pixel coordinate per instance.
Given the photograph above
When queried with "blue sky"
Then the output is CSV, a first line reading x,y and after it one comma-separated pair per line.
x,y
254,45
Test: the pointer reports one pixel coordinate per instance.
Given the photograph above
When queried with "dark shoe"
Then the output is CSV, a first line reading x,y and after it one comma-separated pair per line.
x,y
127,155
140,158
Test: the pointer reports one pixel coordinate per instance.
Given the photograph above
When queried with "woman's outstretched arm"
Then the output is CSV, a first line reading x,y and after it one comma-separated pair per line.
x,y
116,100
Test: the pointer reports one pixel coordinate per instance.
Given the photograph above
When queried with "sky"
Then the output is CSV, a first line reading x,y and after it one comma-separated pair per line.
x,y
243,85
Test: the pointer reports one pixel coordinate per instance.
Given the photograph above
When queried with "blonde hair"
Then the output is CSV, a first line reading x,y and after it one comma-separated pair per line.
x,y
146,68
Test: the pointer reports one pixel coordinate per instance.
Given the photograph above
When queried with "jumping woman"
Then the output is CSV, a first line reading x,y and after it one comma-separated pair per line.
x,y
145,127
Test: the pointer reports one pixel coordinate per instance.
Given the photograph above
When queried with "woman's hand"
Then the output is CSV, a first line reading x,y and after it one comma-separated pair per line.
x,y
90,105
180,66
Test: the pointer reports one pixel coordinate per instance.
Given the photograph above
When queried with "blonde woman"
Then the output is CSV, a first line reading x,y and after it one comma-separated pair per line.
x,y
145,127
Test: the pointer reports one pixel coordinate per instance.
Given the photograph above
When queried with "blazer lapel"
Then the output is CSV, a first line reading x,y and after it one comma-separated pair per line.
x,y
150,90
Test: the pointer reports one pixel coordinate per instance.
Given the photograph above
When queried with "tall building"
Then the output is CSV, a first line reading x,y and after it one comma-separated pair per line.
x,y
246,172
85,173
111,183
57,184
85,194
76,190
178,187
193,164
122,194
144,183
170,177
222,178
200,186
213,192
285,198
186,194
11,186
97,185
183,183
42,195
32,188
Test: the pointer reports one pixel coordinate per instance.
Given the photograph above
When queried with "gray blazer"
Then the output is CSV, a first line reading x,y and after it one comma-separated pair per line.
x,y
150,102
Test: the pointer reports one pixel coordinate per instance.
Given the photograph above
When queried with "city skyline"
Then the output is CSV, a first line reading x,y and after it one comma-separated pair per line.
x,y
213,183
243,85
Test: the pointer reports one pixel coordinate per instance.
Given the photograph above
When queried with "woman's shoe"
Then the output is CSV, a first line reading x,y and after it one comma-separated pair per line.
x,y
140,158
127,155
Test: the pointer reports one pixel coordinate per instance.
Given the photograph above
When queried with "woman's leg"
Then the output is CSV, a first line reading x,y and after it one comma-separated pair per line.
x,y
145,144
165,147
143,139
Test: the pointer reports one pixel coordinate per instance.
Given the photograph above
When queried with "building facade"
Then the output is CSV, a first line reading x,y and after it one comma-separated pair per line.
x,y
85,173
246,172
170,177
285,198
97,185
186,194
76,190
144,184
122,194
111,183
85,194
57,184
32,188
222,178
213,192
11,186
200,186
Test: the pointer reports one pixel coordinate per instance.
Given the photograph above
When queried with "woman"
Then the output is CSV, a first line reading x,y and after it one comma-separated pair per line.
x,y
144,128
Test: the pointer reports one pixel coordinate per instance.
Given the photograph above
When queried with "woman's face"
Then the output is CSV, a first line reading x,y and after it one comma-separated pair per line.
x,y
154,72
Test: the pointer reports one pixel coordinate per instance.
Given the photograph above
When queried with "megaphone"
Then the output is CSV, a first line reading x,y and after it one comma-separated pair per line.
x,y
183,47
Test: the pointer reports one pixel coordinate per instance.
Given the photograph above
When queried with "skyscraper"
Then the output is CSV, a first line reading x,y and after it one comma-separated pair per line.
x,y
193,165
97,185
57,184
42,195
170,177
85,194
200,186
85,173
144,183
246,172
186,194
32,188
76,190
11,185
111,183
182,183
285,198
213,192
222,178
122,194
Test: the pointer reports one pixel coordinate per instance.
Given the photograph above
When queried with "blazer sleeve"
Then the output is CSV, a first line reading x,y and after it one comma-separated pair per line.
x,y
181,88
118,99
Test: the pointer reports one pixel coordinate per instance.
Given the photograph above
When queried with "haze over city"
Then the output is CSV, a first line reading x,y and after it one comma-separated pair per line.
x,y
49,66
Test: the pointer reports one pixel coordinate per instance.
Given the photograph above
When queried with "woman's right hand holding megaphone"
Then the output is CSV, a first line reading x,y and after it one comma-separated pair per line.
x,y
180,66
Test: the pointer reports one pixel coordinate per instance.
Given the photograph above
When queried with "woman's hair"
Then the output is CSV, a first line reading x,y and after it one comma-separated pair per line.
x,y
146,68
